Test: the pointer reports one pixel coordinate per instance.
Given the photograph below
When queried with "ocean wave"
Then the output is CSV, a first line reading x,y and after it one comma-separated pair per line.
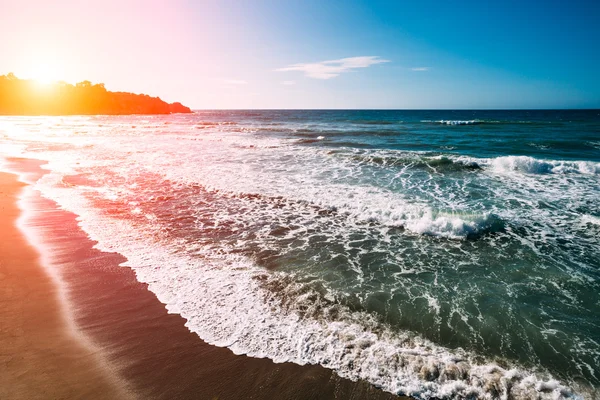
x,y
282,129
435,163
530,165
230,302
415,218
455,122
310,140
443,163
309,198
424,220
483,121
456,225
214,123
590,219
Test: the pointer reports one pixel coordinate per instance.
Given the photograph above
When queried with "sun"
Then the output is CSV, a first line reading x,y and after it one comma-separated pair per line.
x,y
45,73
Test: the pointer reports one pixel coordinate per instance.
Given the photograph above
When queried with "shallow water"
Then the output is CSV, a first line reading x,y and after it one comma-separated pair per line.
x,y
433,253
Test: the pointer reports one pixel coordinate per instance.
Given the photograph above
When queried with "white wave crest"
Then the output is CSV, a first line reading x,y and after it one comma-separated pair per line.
x,y
530,165
590,219
459,122
522,164
455,225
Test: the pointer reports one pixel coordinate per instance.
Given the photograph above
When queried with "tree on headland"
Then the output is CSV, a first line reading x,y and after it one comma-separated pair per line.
x,y
28,97
84,84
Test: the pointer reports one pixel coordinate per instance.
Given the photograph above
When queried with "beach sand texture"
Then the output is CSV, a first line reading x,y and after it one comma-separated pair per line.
x,y
39,356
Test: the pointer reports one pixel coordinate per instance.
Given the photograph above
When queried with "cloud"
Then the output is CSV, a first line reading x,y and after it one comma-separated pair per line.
x,y
420,69
234,82
288,83
331,69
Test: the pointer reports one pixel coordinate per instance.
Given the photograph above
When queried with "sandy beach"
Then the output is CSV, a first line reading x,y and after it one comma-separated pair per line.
x,y
39,356
106,335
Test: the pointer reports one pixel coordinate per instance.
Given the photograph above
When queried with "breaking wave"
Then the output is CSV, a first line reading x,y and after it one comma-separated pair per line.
x,y
454,122
456,225
229,302
530,165
487,121
434,163
451,163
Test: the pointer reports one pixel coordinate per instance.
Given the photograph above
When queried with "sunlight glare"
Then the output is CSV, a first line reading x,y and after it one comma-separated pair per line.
x,y
45,73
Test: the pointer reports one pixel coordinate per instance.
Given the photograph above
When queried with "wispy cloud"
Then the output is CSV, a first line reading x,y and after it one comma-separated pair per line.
x,y
234,82
331,69
288,83
420,69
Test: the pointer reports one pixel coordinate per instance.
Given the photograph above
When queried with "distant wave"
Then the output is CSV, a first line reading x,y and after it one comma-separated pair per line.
x,y
451,163
595,145
310,140
303,132
438,164
454,122
210,124
480,122
530,165
445,164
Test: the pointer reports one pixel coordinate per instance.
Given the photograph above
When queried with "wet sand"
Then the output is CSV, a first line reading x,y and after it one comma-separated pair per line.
x,y
40,356
152,353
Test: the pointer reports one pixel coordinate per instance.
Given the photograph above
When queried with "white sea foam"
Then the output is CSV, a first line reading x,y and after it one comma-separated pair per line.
x,y
590,219
367,204
521,164
224,297
225,301
453,122
459,122
454,226
530,165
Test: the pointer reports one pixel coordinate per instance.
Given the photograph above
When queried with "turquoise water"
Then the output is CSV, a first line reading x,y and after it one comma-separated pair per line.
x,y
449,254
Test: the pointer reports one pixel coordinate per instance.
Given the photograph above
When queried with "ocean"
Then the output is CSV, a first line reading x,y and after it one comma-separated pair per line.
x,y
436,254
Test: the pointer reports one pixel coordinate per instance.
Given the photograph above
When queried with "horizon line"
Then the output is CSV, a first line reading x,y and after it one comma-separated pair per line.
x,y
399,109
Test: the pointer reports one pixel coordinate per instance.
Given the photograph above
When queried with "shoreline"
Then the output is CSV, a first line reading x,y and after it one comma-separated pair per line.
x,y
40,356
152,351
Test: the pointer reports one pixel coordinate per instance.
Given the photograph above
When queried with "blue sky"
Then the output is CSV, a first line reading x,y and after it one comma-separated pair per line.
x,y
322,54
